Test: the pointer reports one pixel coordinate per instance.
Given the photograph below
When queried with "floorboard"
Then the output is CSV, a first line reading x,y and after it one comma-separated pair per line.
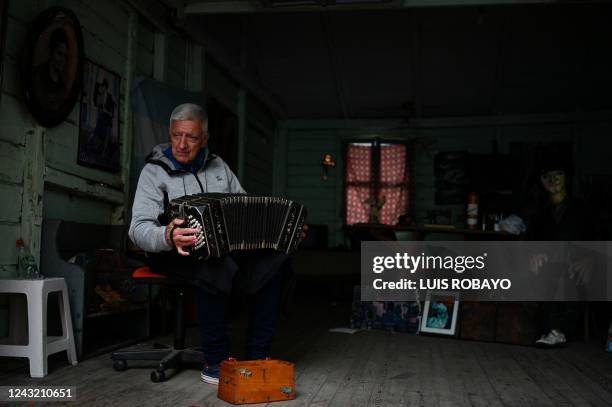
x,y
369,368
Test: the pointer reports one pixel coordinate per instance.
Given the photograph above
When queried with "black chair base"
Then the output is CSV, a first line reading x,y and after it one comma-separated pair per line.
x,y
168,357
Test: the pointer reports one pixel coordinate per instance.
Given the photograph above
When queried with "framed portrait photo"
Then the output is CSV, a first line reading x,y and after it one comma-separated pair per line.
x,y
440,312
52,65
99,121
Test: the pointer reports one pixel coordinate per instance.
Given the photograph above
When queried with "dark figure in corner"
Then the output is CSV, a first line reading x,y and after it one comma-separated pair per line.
x,y
560,217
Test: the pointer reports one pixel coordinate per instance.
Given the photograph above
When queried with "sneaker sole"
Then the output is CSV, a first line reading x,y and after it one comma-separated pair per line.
x,y
550,346
208,379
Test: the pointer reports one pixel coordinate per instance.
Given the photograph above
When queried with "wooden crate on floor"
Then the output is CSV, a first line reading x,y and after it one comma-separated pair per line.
x,y
478,321
517,323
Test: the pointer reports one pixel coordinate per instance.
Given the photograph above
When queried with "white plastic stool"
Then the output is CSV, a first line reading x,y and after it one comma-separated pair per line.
x,y
38,346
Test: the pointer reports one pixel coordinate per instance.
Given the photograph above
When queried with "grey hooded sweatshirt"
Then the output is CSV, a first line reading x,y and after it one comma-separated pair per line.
x,y
159,176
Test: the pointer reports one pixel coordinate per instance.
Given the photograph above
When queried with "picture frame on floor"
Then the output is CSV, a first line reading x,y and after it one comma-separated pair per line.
x,y
440,312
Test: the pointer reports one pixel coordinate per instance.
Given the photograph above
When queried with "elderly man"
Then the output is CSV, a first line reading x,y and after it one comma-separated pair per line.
x,y
183,167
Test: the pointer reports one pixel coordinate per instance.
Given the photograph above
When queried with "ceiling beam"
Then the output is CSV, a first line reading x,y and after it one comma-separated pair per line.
x,y
225,7
452,122
251,6
457,3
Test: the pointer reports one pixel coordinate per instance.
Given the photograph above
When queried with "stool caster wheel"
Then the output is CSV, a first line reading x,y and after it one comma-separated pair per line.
x,y
120,365
157,376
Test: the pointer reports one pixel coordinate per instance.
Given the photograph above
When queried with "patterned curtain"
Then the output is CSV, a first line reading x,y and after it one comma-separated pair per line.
x,y
392,186
393,182
358,178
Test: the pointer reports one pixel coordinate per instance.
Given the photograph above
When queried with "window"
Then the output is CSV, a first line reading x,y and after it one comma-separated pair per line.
x,y
376,182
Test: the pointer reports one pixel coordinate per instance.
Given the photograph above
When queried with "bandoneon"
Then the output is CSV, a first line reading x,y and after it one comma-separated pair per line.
x,y
231,222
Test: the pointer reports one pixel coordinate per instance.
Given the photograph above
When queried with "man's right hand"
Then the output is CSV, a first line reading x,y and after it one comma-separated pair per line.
x,y
180,237
536,262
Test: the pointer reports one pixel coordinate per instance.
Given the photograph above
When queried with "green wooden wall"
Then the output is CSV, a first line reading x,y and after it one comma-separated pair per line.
x,y
259,154
302,144
56,186
39,174
259,130
15,124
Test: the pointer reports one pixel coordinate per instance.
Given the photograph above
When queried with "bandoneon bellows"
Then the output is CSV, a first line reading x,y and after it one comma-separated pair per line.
x,y
231,222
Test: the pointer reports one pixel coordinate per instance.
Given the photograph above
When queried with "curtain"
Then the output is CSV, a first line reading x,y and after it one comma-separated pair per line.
x,y
358,179
391,185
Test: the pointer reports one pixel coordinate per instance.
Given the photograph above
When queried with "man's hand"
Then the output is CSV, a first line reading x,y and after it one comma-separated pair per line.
x,y
180,237
536,262
580,271
304,232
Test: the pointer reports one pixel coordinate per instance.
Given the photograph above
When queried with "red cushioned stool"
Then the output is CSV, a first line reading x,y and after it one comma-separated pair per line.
x,y
170,357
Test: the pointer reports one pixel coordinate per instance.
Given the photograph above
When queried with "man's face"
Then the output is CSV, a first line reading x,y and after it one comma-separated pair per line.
x,y
59,57
553,181
187,138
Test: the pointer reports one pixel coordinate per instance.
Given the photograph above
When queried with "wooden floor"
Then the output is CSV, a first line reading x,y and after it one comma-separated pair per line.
x,y
370,368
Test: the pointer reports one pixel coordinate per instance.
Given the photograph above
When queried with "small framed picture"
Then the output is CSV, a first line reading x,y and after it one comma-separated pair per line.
x,y
53,65
99,122
440,312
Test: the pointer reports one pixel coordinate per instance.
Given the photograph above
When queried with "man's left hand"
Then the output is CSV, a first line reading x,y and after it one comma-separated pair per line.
x,y
580,271
304,232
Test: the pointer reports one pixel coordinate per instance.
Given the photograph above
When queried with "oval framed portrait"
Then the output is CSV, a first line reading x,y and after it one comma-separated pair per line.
x,y
53,65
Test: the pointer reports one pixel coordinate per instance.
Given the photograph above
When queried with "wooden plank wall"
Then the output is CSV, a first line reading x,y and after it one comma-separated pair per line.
x,y
305,143
258,162
145,48
221,86
175,74
323,200
105,28
54,185
105,35
15,124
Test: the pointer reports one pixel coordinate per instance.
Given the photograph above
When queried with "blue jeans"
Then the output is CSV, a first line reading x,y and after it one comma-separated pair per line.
x,y
263,306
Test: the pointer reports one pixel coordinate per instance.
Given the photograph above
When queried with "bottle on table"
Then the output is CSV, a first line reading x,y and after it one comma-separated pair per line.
x,y
472,211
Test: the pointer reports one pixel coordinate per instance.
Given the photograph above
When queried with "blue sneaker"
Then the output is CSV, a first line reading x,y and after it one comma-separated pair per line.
x,y
210,374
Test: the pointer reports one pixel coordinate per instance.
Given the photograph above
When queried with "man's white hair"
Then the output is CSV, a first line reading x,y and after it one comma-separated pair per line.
x,y
192,112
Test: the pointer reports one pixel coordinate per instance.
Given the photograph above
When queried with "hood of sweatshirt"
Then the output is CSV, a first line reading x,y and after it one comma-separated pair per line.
x,y
159,156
